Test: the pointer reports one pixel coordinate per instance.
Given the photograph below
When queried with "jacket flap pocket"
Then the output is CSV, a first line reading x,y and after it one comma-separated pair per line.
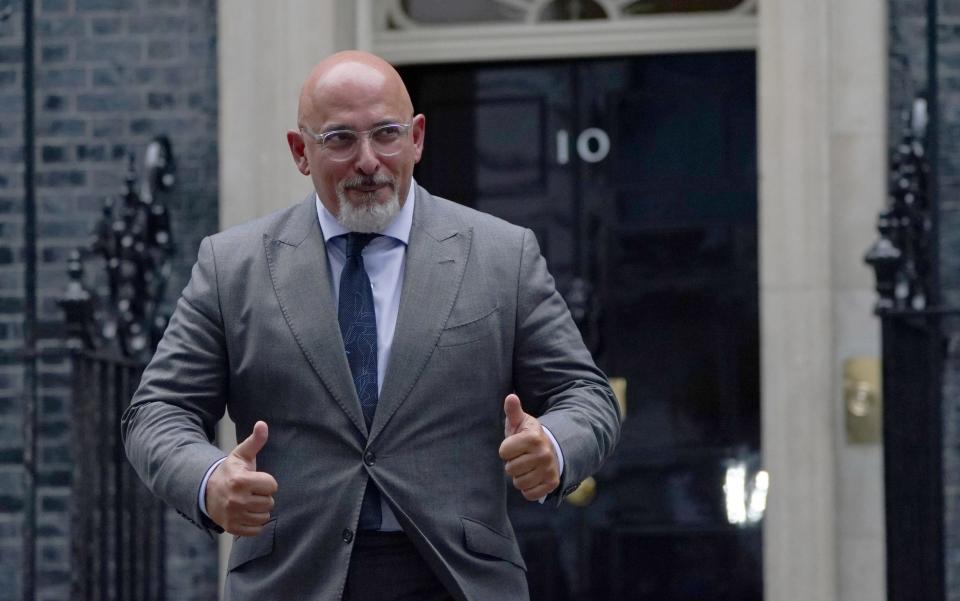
x,y
470,331
248,548
484,540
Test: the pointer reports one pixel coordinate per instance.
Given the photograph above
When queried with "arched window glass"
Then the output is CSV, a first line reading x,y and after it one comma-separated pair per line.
x,y
403,14
649,7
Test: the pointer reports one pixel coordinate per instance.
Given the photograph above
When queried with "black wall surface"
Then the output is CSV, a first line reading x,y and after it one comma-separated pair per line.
x,y
109,75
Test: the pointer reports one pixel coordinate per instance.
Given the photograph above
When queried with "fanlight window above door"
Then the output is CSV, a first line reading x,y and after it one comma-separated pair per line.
x,y
407,14
435,31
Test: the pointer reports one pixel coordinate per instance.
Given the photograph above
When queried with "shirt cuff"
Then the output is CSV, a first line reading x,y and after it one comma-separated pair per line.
x,y
203,484
556,449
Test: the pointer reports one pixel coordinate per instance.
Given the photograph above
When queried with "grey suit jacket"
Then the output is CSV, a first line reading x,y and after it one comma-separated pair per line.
x,y
256,332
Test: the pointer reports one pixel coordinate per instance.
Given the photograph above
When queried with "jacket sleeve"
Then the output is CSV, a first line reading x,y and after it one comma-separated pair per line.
x,y
169,426
555,376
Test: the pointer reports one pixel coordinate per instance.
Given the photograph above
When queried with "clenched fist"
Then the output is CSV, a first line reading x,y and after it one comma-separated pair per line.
x,y
527,452
238,497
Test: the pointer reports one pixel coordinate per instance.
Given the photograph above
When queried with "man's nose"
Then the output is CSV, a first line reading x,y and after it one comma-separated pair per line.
x,y
367,161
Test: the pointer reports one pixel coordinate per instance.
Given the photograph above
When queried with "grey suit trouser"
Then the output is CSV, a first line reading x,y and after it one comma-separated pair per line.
x,y
385,566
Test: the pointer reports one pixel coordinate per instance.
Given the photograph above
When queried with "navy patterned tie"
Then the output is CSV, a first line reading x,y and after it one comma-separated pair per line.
x,y
358,326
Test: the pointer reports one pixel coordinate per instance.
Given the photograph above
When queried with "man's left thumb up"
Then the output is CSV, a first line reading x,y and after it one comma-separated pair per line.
x,y
515,415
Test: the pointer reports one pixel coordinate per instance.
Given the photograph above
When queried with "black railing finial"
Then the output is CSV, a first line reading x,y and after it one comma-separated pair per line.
x,y
901,256
133,239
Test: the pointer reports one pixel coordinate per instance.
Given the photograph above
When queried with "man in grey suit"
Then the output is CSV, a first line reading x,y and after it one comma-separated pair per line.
x,y
387,356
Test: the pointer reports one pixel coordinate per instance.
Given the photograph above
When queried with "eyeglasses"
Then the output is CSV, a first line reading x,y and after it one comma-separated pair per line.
x,y
343,144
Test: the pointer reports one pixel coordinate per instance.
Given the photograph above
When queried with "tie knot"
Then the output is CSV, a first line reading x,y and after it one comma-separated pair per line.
x,y
356,243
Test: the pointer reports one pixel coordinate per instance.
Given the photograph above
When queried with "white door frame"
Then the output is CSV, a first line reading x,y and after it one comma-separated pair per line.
x,y
797,44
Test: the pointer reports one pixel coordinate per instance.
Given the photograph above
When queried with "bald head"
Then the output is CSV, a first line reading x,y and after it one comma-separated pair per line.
x,y
352,76
359,92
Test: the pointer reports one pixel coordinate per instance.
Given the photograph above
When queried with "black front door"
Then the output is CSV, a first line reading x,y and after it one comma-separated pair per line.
x,y
638,176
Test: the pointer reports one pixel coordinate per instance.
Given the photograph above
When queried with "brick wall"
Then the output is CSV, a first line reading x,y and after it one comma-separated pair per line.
x,y
110,74
11,301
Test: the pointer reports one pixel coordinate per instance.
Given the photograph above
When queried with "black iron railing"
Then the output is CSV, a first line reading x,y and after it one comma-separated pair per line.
x,y
905,258
117,525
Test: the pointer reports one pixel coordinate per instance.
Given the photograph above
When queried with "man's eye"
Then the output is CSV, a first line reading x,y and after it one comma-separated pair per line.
x,y
387,132
340,138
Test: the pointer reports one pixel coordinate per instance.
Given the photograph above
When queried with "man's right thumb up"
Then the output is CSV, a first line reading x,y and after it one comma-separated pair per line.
x,y
253,444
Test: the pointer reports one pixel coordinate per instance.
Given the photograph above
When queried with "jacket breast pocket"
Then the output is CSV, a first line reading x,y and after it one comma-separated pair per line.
x,y
471,330
247,548
484,540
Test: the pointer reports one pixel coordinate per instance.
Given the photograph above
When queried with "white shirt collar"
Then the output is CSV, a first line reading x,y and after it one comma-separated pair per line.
x,y
398,228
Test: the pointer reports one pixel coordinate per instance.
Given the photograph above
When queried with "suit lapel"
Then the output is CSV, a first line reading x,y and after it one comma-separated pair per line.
x,y
297,260
436,257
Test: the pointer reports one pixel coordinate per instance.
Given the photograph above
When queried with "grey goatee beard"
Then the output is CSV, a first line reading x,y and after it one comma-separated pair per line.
x,y
366,215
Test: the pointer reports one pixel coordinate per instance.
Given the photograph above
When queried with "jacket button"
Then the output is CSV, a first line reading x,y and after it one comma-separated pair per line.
x,y
369,458
347,535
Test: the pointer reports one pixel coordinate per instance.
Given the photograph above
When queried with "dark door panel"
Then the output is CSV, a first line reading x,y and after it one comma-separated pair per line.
x,y
639,177
489,146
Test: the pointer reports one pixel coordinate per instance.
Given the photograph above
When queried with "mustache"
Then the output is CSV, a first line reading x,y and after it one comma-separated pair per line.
x,y
363,181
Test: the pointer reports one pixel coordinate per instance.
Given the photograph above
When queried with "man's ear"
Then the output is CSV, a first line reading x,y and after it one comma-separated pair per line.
x,y
418,130
297,149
